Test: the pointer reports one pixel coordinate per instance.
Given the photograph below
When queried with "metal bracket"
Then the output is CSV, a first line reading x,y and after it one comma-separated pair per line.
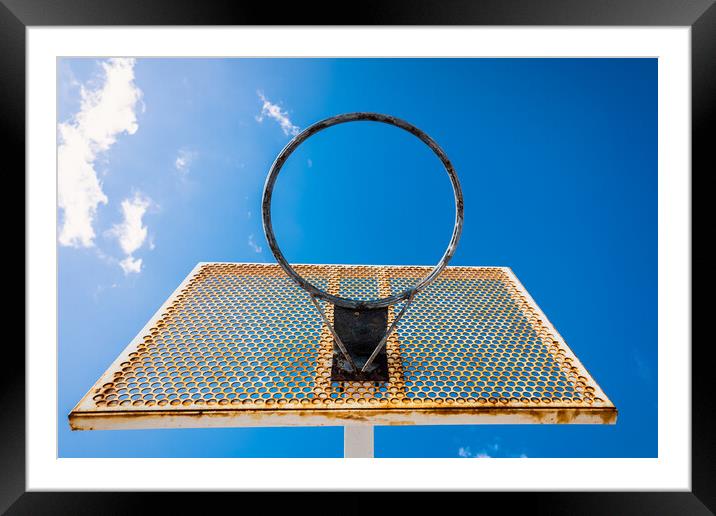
x,y
355,333
336,338
360,331
379,347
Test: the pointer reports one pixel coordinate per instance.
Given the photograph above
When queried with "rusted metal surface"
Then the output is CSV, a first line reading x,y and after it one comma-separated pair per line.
x,y
241,345
346,302
347,359
137,420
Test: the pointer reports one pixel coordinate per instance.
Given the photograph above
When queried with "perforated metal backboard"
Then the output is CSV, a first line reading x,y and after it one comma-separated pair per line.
x,y
240,345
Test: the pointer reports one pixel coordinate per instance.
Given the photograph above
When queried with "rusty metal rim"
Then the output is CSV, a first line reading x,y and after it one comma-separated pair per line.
x,y
401,416
354,117
452,408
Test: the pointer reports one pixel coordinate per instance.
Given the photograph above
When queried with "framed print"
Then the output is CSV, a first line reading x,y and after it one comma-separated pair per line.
x,y
445,248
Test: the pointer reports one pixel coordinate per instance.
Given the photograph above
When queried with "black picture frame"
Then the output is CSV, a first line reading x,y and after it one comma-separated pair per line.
x,y
700,15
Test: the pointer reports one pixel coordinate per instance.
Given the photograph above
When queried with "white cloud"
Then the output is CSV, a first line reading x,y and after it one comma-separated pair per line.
x,y
466,452
131,232
130,265
491,450
310,163
274,111
105,112
184,160
253,245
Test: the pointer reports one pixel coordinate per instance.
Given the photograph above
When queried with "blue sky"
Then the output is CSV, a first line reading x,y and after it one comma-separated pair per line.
x,y
161,163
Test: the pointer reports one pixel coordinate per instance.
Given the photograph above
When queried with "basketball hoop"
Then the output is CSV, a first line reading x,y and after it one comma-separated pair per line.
x,y
369,317
341,119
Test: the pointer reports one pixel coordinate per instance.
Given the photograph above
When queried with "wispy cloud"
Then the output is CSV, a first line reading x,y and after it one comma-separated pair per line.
x,y
105,112
253,245
466,452
268,109
184,160
131,265
131,233
100,289
489,451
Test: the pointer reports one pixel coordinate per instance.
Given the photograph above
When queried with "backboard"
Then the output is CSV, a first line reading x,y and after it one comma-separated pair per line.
x,y
239,344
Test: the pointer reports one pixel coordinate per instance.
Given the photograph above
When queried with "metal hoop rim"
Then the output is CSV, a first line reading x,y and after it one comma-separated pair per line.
x,y
355,117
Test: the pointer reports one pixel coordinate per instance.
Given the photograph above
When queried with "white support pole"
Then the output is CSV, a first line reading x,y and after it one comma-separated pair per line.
x,y
358,441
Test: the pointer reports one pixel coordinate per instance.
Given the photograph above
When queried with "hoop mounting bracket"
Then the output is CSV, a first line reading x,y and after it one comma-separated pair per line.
x,y
360,331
